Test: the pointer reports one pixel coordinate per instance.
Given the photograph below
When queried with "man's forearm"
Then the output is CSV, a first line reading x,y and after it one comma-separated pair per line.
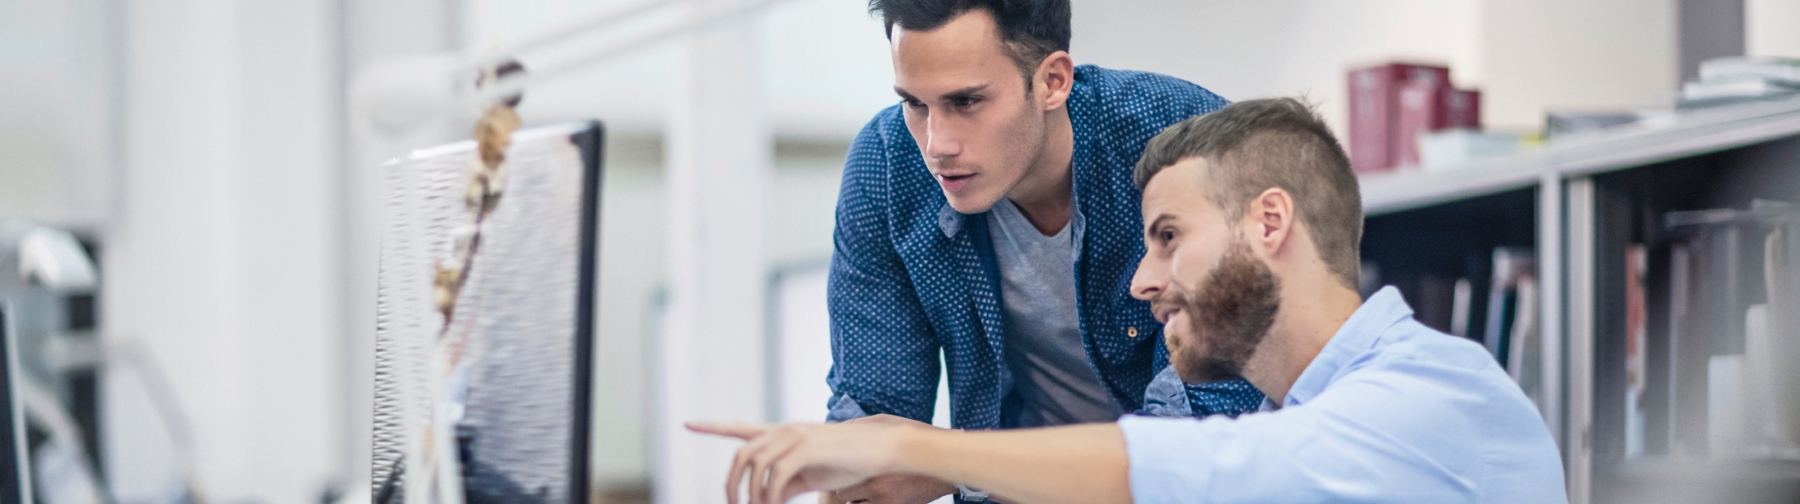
x,y
1075,464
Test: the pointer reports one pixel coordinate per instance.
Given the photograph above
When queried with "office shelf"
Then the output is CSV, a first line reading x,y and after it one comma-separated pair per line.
x,y
1647,142
1580,202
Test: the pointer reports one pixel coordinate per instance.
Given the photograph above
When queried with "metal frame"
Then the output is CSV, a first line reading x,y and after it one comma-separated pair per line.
x,y
1550,217
1579,446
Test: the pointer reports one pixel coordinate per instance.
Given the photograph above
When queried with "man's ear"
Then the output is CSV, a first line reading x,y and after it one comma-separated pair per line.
x,y
1054,79
1272,220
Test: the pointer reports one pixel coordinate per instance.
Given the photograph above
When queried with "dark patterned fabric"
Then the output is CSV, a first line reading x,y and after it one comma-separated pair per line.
x,y
910,277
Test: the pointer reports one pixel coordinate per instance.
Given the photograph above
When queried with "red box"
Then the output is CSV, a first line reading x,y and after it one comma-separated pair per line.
x,y
1465,108
1423,109
1377,142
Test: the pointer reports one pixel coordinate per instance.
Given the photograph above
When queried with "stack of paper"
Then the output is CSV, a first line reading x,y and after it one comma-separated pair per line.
x,y
1740,79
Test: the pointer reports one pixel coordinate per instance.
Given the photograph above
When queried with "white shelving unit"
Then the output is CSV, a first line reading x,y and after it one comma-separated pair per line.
x,y
1561,177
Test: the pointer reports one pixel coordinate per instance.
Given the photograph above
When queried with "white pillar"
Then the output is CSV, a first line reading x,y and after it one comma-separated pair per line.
x,y
710,357
224,261
377,34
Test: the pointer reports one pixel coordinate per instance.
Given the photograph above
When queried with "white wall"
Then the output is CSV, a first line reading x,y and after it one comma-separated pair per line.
x,y
1527,56
1769,28
1244,50
1543,55
224,259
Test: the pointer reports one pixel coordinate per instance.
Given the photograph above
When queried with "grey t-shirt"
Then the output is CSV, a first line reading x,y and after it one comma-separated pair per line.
x,y
1053,380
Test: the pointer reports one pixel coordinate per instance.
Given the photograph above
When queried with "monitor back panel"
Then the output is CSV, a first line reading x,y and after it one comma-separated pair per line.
x,y
520,337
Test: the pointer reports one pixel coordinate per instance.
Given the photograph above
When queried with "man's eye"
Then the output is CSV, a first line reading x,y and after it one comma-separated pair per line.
x,y
965,102
1165,236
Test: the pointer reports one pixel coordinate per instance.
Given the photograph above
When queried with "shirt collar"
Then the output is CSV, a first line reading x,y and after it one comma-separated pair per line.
x,y
1358,334
949,220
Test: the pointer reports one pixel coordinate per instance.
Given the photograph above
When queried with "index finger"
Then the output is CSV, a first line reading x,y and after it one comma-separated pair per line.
x,y
738,430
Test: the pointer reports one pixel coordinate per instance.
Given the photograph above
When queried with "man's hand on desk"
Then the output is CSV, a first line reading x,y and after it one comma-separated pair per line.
x,y
891,488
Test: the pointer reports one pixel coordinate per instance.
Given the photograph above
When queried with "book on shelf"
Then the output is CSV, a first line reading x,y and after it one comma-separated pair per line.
x,y
1461,297
1737,88
1777,341
1740,79
1567,123
1636,341
1524,344
1735,390
1511,265
1513,323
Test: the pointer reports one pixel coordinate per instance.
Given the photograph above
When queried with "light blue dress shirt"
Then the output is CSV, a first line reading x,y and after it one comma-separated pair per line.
x,y
1389,411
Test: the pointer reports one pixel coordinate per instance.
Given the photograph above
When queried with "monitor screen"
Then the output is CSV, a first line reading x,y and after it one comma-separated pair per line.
x,y
488,400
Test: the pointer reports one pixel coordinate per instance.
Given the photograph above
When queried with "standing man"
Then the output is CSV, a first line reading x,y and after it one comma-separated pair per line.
x,y
991,217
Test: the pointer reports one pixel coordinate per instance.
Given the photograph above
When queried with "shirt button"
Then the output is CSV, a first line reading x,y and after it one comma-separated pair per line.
x,y
1131,332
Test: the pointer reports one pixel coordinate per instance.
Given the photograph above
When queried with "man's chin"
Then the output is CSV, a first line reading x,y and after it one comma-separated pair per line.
x,y
971,205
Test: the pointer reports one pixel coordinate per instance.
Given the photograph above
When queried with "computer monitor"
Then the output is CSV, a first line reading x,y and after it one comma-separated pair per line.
x,y
492,403
15,475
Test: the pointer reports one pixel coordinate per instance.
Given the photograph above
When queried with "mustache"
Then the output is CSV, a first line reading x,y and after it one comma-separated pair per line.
x,y
1168,298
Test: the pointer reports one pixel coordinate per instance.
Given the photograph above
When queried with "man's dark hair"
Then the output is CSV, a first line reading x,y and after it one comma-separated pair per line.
x,y
1029,29
1254,145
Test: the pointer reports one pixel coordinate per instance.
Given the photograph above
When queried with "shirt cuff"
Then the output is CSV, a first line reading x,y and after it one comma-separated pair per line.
x,y
843,409
1168,459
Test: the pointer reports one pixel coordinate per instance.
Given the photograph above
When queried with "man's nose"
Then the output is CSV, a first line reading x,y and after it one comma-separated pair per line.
x,y
1149,280
940,139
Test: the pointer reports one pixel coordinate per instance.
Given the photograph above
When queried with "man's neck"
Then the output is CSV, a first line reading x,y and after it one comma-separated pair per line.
x,y
1046,196
1310,315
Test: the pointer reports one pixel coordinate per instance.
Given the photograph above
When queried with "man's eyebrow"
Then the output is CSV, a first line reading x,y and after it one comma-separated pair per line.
x,y
964,93
1160,219
904,95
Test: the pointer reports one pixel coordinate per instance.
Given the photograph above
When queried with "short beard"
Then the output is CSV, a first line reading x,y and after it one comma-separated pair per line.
x,y
1231,314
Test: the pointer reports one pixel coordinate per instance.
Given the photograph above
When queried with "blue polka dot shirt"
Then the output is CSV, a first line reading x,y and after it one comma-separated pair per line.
x,y
911,279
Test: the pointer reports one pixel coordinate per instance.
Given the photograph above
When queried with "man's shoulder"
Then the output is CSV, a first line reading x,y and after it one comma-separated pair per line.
x,y
882,142
1145,94
884,175
1120,110
1411,342
877,134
